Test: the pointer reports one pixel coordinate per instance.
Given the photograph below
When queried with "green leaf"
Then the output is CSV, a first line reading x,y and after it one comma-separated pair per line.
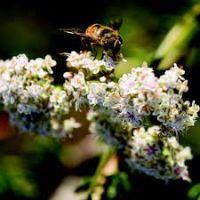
x,y
116,183
194,192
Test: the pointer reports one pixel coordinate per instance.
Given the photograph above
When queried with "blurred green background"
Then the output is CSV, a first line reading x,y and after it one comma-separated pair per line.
x,y
159,32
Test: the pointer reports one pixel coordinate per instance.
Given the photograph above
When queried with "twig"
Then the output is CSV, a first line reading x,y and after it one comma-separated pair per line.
x,y
99,173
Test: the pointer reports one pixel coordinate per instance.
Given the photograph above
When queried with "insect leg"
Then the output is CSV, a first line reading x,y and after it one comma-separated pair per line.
x,y
86,44
103,54
94,50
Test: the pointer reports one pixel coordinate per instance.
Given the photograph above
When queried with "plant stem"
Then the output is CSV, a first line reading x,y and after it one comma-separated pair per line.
x,y
96,179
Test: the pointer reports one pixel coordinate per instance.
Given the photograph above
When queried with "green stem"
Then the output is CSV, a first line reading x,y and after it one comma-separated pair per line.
x,y
105,157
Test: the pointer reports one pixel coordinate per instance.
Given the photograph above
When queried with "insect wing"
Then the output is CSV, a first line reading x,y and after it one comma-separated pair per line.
x,y
73,31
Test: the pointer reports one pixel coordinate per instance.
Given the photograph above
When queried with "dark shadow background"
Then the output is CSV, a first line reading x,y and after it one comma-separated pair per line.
x,y
31,26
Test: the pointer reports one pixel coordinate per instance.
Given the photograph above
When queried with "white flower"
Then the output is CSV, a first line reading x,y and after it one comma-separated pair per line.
x,y
139,80
173,142
35,91
193,109
102,79
173,79
91,115
183,155
96,92
111,84
70,124
78,81
49,62
58,96
67,75
84,61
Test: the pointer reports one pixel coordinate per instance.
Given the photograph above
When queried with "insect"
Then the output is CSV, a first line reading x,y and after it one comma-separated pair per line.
x,y
103,36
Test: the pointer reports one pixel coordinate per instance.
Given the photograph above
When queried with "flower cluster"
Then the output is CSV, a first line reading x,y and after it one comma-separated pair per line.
x,y
144,150
28,95
140,113
163,158
138,100
159,97
86,62
136,95
105,127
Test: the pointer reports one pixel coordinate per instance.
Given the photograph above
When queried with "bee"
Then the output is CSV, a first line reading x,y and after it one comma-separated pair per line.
x,y
106,37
